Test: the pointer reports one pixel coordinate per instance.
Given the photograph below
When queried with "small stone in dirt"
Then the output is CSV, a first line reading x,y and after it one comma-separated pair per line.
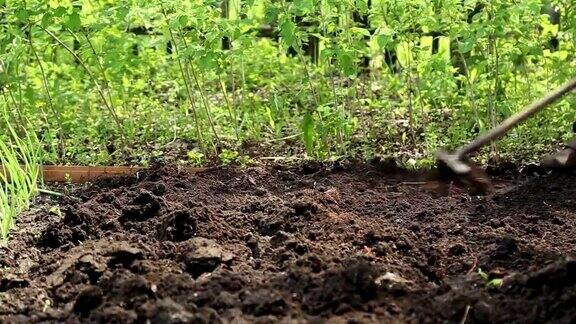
x,y
203,255
88,299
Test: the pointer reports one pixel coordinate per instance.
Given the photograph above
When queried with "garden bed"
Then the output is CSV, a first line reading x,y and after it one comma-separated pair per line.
x,y
295,244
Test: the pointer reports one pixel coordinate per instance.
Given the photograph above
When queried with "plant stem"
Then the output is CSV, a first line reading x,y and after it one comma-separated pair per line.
x,y
231,111
62,148
186,85
96,84
203,96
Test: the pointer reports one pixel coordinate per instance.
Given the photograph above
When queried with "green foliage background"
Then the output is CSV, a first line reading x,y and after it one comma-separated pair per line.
x,y
96,93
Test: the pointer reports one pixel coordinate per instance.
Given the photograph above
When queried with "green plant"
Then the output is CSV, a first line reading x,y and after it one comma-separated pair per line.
x,y
494,282
19,175
228,157
195,157
107,82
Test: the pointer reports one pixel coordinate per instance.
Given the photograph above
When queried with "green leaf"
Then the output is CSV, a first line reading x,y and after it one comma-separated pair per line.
x,y
22,14
271,14
308,132
60,11
383,41
361,31
47,19
209,61
183,20
304,6
288,32
346,62
73,21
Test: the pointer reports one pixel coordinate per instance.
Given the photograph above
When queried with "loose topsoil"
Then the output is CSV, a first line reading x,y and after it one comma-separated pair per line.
x,y
301,244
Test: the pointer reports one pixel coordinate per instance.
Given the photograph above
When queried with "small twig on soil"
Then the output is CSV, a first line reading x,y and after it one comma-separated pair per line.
x,y
274,158
50,192
57,194
465,317
284,138
474,264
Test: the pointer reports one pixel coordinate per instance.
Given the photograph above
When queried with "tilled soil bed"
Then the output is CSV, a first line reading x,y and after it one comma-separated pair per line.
x,y
301,244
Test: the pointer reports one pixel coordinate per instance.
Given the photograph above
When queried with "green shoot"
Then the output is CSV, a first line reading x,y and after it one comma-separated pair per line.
x,y
19,175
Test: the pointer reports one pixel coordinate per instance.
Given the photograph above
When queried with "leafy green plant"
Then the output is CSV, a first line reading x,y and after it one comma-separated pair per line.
x,y
195,157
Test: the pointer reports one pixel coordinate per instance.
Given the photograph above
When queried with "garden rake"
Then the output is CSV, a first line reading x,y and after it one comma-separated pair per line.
x,y
455,167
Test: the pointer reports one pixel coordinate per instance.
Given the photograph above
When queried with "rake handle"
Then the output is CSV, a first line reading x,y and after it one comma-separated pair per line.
x,y
514,120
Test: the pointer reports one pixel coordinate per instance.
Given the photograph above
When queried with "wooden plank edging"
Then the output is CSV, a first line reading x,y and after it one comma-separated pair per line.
x,y
79,174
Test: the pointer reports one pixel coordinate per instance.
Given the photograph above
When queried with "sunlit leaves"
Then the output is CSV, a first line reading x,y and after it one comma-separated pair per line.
x,y
73,21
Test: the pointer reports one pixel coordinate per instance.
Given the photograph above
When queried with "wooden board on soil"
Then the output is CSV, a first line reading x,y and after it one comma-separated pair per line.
x,y
296,245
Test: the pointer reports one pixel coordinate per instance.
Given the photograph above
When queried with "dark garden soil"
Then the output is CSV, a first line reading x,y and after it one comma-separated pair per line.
x,y
301,244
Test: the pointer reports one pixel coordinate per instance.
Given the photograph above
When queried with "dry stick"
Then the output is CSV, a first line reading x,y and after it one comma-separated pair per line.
x,y
337,104
204,101
186,85
18,115
231,111
234,96
100,66
465,317
469,89
495,94
96,84
18,104
410,105
201,90
304,64
494,47
48,95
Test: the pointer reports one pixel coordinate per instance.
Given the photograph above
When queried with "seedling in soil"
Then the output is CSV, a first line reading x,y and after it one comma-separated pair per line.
x,y
495,282
195,157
